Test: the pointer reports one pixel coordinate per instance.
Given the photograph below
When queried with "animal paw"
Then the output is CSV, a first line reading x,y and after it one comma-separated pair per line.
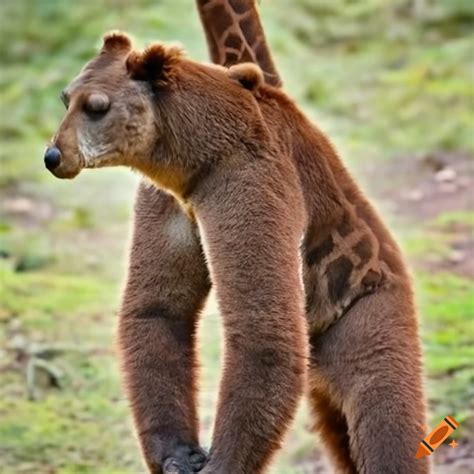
x,y
185,460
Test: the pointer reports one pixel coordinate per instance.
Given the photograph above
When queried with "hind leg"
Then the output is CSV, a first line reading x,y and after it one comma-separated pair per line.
x,y
331,424
370,361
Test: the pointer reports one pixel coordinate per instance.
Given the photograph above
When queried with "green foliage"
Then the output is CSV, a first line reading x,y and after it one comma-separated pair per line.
x,y
447,305
380,72
43,299
456,218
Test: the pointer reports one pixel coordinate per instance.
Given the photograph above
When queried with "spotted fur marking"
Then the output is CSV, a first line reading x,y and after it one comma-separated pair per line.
x,y
316,255
338,274
363,249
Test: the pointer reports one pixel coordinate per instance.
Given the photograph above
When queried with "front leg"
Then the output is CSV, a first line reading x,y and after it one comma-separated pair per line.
x,y
167,286
251,222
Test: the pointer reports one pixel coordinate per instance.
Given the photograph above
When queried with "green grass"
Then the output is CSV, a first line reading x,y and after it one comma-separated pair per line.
x,y
383,80
447,306
457,218
82,425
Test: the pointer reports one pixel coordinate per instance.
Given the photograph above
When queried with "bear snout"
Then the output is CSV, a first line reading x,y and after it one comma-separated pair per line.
x,y
61,165
52,158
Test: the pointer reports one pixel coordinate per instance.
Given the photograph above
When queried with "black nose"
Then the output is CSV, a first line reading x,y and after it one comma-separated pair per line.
x,y
52,158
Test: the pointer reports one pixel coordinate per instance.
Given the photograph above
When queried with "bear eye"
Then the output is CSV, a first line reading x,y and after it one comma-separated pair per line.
x,y
97,103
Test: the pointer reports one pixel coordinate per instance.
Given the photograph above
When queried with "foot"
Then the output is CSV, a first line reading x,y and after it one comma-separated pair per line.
x,y
185,460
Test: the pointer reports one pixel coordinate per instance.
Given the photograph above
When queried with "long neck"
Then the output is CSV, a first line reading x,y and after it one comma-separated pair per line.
x,y
235,35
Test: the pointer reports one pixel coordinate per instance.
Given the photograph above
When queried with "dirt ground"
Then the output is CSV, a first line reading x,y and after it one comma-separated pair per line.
x,y
423,188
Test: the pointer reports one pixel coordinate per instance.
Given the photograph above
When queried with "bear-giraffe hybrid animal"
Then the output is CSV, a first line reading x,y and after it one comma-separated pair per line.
x,y
270,196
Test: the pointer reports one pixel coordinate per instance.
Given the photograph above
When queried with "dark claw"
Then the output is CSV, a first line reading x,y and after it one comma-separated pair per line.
x,y
173,466
186,460
198,460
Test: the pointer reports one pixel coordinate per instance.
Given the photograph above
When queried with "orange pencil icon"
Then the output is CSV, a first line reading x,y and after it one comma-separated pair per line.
x,y
436,437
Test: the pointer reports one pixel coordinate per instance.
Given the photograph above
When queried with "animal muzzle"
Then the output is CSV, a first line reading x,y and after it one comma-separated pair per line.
x,y
62,165
52,158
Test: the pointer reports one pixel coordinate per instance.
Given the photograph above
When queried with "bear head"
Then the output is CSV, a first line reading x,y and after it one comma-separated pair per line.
x,y
155,111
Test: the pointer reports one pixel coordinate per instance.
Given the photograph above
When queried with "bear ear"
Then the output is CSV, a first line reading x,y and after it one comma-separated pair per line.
x,y
154,64
249,75
116,42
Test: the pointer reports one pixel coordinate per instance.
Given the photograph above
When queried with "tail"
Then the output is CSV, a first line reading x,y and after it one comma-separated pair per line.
x,y
235,35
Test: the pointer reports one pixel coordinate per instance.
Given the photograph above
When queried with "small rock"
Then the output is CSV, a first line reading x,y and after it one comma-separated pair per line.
x,y
18,205
14,325
456,256
445,175
18,342
415,195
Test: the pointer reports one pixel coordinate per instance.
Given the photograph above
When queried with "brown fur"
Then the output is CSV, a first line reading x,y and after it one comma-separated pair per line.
x,y
156,61
116,43
248,74
270,201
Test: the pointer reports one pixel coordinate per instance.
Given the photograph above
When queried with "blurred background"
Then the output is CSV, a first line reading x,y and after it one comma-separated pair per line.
x,y
391,81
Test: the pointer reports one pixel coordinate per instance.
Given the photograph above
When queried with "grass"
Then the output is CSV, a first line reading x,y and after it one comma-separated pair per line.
x,y
447,306
379,76
457,218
